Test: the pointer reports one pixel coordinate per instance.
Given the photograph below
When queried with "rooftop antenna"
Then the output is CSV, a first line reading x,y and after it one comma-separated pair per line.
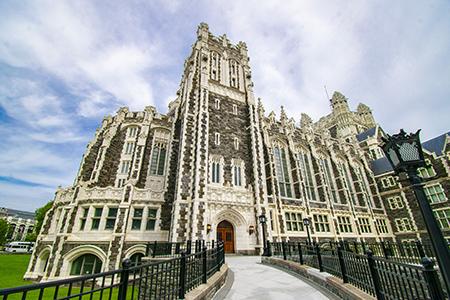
x,y
326,92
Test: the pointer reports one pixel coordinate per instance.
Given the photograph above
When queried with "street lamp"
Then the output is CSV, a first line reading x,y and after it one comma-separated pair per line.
x,y
405,154
262,220
307,222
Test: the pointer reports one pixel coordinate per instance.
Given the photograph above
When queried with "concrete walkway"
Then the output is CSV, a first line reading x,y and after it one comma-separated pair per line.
x,y
253,280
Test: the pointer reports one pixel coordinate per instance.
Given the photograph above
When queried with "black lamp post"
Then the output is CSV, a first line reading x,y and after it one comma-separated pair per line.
x,y
404,152
307,222
262,220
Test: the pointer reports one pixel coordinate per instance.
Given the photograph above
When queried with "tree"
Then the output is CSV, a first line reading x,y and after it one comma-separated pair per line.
x,y
39,217
3,231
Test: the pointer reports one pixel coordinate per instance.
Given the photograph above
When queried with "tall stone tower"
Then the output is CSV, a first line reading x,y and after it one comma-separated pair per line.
x,y
219,175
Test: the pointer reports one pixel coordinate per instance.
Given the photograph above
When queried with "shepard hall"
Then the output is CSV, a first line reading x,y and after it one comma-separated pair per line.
x,y
217,160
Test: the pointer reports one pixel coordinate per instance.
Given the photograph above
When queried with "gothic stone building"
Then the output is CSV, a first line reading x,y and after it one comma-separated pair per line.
x,y
207,169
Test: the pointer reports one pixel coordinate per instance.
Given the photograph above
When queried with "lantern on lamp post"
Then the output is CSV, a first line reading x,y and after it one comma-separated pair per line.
x,y
262,219
405,154
306,223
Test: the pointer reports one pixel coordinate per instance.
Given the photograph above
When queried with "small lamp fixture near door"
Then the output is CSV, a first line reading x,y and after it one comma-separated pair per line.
x,y
208,228
251,229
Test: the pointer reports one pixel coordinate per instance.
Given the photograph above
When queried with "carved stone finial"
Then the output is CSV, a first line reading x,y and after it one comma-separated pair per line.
x,y
362,108
305,121
283,116
203,31
272,117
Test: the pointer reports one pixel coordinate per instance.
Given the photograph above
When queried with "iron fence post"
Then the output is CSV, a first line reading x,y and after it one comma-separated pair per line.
x,y
154,249
205,275
300,254
269,249
383,247
374,275
182,278
124,276
432,279
363,246
319,257
283,246
355,245
212,244
188,246
420,249
342,264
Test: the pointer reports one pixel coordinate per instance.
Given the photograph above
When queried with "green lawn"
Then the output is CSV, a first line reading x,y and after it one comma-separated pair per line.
x,y
12,269
14,266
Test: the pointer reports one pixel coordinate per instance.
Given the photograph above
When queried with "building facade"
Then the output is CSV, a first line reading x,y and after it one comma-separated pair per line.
x,y
20,223
208,168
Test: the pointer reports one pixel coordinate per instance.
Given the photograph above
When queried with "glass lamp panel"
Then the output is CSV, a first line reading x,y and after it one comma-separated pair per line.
x,y
409,152
393,156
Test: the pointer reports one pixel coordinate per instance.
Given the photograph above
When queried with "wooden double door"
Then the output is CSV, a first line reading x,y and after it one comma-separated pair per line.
x,y
225,233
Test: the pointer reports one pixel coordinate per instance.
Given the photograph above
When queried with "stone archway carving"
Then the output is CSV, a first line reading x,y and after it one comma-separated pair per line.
x,y
232,216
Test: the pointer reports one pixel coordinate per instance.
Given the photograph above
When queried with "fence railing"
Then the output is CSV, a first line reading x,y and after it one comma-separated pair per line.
x,y
171,278
405,252
381,277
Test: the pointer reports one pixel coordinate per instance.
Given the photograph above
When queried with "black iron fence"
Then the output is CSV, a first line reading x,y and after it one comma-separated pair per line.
x,y
173,249
169,278
405,252
378,276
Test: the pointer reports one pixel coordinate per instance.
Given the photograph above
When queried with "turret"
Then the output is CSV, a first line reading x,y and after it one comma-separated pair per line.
x,y
365,113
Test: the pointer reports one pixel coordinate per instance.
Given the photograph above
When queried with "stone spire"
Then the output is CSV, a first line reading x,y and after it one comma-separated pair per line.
x,y
283,116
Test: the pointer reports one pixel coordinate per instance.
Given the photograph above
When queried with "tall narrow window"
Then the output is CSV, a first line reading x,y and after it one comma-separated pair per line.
x,y
132,131
217,138
235,110
158,159
215,66
234,74
329,183
282,170
217,104
236,143
237,174
125,167
96,218
151,219
305,170
363,194
111,219
84,214
215,172
137,219
129,147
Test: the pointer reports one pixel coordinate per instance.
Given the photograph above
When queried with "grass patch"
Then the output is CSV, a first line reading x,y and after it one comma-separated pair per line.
x,y
13,267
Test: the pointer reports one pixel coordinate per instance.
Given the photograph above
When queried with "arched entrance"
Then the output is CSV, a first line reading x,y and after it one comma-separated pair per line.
x,y
225,233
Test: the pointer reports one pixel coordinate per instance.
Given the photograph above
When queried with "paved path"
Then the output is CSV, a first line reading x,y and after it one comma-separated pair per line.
x,y
253,280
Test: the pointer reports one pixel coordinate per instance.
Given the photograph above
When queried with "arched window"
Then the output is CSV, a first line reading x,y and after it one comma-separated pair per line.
x,y
158,160
86,264
136,259
43,261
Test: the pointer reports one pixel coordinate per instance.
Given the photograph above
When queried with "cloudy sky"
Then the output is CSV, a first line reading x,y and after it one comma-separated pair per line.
x,y
66,64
